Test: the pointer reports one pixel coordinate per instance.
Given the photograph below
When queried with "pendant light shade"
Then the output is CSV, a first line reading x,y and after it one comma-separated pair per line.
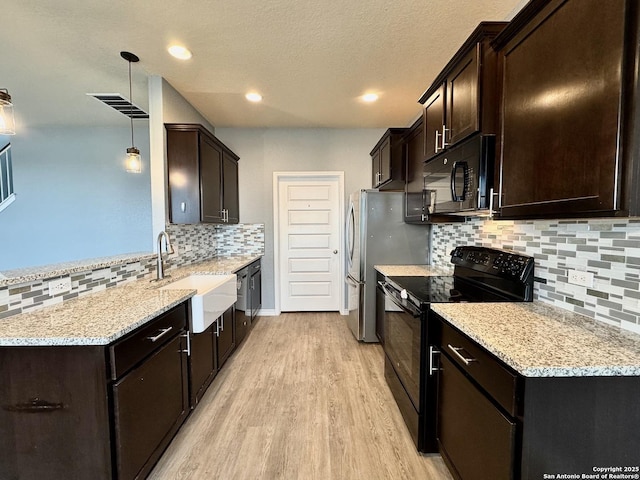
x,y
133,162
7,122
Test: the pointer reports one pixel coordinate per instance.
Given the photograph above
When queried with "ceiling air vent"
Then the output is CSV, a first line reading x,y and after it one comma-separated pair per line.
x,y
121,104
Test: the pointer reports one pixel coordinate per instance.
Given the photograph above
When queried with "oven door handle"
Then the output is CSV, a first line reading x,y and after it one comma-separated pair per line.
x,y
391,295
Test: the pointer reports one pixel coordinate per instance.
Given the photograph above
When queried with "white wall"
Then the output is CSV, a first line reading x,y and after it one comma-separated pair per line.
x,y
264,151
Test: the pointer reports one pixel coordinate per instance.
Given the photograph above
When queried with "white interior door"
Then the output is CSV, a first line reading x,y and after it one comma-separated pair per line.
x,y
309,239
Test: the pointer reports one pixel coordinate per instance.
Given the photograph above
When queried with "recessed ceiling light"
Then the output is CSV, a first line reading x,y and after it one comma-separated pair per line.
x,y
253,97
369,97
180,52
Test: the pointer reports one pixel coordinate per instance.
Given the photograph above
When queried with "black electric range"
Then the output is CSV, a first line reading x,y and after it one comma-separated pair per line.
x,y
480,275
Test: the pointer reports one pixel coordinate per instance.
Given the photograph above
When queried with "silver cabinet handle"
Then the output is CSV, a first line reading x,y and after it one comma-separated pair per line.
x,y
457,350
432,353
188,350
222,324
437,148
162,333
444,131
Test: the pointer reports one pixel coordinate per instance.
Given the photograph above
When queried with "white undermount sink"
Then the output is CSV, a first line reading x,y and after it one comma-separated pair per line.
x,y
215,294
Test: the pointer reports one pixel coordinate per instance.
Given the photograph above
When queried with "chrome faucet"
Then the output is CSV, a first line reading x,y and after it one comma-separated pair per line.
x,y
169,249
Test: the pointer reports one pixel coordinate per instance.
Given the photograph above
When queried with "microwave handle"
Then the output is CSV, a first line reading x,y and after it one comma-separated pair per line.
x,y
465,169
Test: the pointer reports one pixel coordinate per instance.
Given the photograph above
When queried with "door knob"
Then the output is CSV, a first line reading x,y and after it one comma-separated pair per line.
x,y
335,252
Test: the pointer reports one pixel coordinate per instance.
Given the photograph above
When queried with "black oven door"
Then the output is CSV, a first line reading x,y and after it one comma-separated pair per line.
x,y
403,341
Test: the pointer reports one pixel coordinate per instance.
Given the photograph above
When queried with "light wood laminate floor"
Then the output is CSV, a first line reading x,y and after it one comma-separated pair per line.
x,y
300,399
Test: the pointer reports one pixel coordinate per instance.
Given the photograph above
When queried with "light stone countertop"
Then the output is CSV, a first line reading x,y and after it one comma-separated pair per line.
x,y
411,270
103,317
30,274
539,340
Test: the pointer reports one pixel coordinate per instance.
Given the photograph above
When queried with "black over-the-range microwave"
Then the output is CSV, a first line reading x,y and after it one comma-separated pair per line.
x,y
459,181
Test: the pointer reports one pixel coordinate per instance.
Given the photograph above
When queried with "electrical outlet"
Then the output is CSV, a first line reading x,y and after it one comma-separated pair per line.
x,y
59,286
584,279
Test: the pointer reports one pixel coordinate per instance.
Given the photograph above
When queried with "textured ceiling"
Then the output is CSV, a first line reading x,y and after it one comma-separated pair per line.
x,y
310,60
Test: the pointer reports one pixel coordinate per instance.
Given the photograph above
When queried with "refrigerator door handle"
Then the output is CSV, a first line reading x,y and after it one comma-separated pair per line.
x,y
352,281
350,235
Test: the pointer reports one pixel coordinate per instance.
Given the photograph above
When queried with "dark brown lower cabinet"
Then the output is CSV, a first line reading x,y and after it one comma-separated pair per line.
x,y
494,423
477,441
149,405
226,341
209,350
203,362
54,413
94,412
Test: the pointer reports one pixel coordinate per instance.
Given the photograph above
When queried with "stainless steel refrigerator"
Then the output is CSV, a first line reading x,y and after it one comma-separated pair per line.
x,y
377,235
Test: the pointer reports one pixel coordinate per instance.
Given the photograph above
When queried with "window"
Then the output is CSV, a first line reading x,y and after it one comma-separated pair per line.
x,y
6,178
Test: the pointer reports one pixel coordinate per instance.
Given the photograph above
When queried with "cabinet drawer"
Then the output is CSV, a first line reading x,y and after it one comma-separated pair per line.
x,y
488,371
133,348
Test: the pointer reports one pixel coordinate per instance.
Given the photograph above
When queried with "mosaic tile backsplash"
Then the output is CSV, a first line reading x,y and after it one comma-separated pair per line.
x,y
192,243
608,248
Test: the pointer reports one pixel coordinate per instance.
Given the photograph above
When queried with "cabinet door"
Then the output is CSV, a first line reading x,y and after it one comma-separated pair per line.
x,y
462,99
184,185
203,366
150,403
561,123
471,430
385,161
375,162
226,336
211,180
434,110
414,186
54,413
230,188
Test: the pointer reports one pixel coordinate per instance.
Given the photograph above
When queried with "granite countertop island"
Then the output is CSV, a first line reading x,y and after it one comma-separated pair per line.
x,y
103,317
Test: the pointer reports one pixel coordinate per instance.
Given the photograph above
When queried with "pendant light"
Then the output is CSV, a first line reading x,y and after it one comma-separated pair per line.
x,y
133,162
7,122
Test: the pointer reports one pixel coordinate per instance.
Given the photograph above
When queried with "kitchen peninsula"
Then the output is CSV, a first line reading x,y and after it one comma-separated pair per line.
x,y
98,377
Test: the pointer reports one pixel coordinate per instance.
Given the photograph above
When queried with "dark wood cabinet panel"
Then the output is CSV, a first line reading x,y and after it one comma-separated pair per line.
x,y
471,431
388,161
203,362
211,181
184,183
462,100
226,336
203,176
230,187
463,109
150,403
54,413
434,121
563,108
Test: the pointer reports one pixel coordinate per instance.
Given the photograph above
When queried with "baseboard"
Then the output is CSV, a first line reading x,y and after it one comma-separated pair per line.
x,y
267,312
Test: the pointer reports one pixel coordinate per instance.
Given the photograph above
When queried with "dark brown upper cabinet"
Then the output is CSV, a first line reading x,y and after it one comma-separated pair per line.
x,y
414,184
203,177
462,99
569,110
388,161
